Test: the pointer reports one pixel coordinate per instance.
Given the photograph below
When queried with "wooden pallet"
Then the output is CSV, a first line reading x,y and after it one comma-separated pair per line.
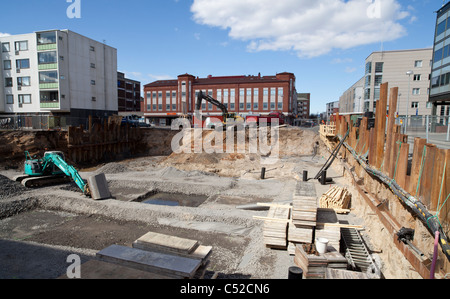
x,y
336,198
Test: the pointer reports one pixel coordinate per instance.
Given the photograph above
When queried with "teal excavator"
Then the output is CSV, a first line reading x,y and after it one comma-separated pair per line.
x,y
53,169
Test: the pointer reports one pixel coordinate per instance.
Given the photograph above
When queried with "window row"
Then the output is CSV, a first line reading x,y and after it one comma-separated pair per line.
x,y
442,53
20,64
19,46
153,106
442,26
441,80
44,77
23,99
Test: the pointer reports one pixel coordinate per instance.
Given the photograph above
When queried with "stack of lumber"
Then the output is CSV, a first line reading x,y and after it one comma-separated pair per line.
x,y
328,227
313,264
275,227
303,221
336,198
304,211
161,254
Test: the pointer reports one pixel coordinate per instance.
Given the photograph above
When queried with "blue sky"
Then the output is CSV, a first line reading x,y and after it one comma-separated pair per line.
x,y
323,42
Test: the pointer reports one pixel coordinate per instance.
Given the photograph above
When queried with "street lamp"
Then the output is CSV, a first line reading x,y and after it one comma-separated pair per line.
x,y
409,73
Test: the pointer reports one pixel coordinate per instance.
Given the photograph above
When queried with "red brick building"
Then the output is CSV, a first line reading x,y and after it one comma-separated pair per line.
x,y
166,100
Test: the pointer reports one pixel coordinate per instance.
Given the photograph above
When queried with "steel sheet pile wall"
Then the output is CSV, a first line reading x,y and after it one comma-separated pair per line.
x,y
422,181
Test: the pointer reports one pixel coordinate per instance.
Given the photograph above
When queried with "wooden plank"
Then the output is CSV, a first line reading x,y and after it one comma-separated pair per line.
x,y
393,98
167,243
419,144
381,124
331,273
155,262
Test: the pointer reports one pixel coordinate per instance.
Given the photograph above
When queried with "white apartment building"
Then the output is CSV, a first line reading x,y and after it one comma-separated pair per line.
x,y
57,72
352,100
409,70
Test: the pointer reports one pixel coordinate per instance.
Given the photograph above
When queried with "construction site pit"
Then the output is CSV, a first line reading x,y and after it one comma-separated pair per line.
x,y
194,196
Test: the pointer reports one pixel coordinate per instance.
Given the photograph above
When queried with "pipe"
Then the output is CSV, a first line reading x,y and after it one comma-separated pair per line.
x,y
435,254
430,221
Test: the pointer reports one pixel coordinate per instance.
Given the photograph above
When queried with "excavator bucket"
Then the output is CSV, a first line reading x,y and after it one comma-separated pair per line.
x,y
98,187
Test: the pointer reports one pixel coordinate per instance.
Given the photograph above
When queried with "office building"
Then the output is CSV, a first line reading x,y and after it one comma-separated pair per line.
x,y
166,100
129,93
440,72
303,105
352,100
57,72
409,70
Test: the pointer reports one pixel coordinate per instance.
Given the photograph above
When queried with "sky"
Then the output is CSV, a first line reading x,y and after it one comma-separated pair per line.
x,y
323,42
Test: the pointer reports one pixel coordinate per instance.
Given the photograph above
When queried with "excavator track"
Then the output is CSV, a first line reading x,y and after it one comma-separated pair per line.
x,y
44,181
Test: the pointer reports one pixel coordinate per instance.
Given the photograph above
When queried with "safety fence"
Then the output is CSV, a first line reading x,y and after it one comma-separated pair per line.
x,y
40,122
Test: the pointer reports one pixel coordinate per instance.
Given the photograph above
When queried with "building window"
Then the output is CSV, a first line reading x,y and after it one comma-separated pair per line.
x,y
368,68
379,67
23,63
8,82
241,106
441,27
48,77
24,98
272,105
438,55
416,91
232,106
368,79
265,91
5,47
249,106
45,38
9,99
92,48
7,64
92,65
418,63
21,46
154,107
168,107
255,105
94,99
92,82
415,105
417,77
265,106
23,81
378,80
280,105
159,107
47,57
174,107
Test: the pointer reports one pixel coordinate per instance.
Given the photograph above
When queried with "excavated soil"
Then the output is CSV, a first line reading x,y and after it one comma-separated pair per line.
x,y
54,222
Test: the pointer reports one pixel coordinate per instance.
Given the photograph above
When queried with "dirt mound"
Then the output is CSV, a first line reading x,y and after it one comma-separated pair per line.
x,y
9,188
292,142
112,168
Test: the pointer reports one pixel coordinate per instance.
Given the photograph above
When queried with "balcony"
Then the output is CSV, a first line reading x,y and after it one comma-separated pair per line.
x,y
46,47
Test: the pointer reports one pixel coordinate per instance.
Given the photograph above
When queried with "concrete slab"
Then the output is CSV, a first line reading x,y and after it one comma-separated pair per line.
x,y
99,187
155,262
305,189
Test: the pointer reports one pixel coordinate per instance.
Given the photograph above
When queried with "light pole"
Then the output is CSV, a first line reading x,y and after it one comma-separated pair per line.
x,y
409,73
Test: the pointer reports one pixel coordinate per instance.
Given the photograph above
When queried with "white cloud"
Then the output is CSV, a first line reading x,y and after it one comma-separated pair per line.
x,y
4,34
308,27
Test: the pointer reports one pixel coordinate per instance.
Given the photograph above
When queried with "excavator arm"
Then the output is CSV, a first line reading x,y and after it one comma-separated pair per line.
x,y
211,100
54,159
